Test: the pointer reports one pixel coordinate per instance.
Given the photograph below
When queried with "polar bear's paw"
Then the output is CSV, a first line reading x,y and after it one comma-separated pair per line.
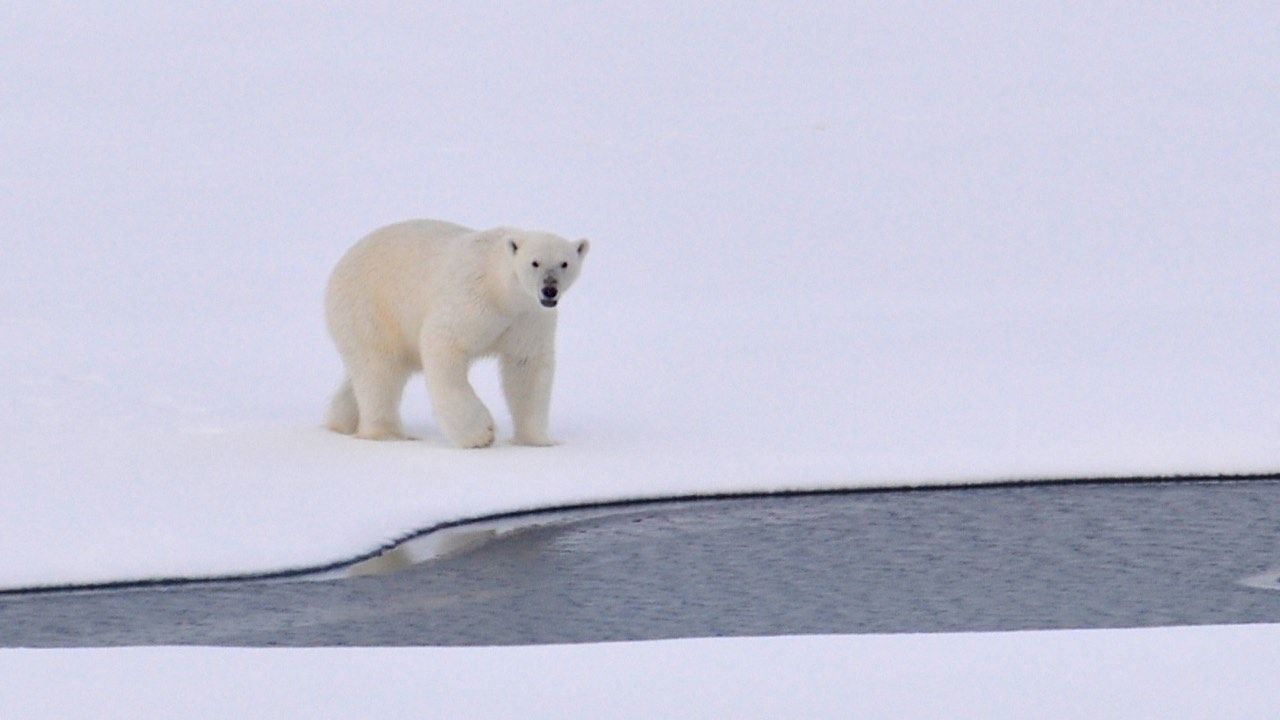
x,y
534,440
477,432
381,433
341,425
481,438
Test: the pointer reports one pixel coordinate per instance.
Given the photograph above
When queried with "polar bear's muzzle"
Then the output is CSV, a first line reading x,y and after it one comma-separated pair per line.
x,y
549,296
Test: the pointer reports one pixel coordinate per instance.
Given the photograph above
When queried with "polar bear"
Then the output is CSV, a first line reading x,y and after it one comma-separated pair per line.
x,y
434,296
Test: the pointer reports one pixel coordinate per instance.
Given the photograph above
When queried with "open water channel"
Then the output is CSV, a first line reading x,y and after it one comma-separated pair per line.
x,y
996,558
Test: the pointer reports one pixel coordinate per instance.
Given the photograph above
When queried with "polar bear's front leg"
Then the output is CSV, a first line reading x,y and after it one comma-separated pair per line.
x,y
461,415
526,381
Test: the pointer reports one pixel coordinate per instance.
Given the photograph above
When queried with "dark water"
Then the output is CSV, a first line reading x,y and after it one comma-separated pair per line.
x,y
1076,556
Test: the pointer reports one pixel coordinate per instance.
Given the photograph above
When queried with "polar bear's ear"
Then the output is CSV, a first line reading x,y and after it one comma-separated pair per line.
x,y
583,246
512,246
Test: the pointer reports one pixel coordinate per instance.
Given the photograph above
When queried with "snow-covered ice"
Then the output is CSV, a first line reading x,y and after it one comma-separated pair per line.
x,y
832,246
1190,673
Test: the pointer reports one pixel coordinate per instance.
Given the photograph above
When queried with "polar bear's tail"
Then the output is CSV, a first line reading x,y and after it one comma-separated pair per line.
x,y
344,416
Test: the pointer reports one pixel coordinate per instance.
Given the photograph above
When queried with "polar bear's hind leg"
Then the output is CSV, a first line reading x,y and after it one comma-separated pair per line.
x,y
344,417
377,388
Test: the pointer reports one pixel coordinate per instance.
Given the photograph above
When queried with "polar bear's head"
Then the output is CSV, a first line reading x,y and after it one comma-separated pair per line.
x,y
545,265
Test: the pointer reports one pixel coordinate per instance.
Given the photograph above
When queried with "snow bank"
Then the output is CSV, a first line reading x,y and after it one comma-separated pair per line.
x,y
844,247
1200,672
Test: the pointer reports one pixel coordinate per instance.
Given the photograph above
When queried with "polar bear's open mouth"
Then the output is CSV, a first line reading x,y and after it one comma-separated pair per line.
x,y
548,303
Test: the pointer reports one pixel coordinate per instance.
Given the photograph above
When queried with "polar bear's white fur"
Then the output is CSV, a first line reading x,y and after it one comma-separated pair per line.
x,y
433,296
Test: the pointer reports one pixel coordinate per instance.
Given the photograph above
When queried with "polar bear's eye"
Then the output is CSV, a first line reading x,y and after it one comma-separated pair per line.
x,y
535,263
564,265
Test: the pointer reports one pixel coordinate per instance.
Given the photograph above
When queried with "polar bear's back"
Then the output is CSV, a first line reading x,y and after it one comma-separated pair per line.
x,y
403,241
423,230
382,285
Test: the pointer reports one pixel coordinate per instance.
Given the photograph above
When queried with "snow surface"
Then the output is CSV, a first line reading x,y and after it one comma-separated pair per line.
x,y
832,246
1202,672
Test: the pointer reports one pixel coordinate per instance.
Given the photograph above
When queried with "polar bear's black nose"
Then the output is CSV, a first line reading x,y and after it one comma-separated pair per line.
x,y
548,292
